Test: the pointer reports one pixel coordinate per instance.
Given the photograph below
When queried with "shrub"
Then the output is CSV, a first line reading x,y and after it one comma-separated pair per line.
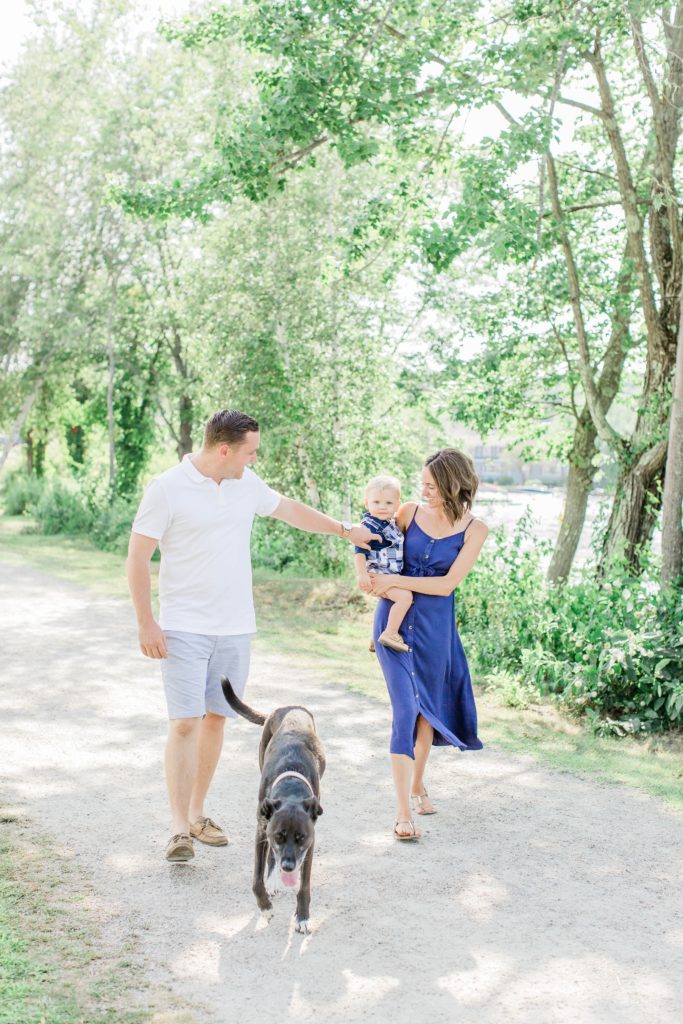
x,y
610,649
623,652
511,688
498,606
111,523
20,492
276,546
62,509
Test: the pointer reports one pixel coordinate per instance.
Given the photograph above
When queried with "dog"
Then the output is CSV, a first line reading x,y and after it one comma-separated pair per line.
x,y
292,762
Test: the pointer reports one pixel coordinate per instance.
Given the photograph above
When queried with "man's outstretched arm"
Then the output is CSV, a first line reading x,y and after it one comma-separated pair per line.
x,y
308,519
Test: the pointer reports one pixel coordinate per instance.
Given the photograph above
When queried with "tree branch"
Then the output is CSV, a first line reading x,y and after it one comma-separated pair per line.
x,y
379,28
434,57
629,198
585,170
598,206
595,111
645,69
665,229
563,348
604,429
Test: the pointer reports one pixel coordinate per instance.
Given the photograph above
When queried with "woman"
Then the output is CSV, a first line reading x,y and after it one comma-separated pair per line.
x,y
429,685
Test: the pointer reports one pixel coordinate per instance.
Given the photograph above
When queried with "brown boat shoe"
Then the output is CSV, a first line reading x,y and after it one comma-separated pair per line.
x,y
207,831
179,848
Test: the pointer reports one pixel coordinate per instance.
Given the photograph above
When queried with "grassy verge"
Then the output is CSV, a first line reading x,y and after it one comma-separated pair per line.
x,y
324,625
54,966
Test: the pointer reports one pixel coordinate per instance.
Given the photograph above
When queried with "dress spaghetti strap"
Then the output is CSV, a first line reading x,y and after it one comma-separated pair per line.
x,y
468,525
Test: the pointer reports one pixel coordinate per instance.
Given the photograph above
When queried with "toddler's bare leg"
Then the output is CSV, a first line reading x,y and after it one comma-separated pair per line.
x,y
402,600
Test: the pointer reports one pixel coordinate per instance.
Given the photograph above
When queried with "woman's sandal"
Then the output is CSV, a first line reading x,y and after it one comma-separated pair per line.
x,y
406,835
417,802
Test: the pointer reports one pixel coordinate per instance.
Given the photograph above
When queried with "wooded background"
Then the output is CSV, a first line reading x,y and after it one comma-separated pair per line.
x,y
364,224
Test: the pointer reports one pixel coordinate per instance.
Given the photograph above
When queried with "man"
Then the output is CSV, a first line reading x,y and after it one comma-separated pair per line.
x,y
200,513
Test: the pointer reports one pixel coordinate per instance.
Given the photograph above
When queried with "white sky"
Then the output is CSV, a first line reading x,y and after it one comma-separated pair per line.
x,y
16,24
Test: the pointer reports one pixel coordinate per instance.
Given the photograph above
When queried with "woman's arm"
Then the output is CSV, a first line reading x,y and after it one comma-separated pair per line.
x,y
438,586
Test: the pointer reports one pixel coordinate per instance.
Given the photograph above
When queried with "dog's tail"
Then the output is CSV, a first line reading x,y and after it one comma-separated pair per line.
x,y
237,705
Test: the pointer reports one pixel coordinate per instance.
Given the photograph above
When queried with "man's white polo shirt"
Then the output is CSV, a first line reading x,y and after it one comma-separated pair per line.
x,y
204,532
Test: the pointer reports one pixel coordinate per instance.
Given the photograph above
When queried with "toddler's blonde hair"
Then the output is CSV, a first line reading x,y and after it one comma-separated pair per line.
x,y
381,483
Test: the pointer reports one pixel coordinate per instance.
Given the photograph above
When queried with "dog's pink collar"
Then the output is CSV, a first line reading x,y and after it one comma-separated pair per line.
x,y
292,775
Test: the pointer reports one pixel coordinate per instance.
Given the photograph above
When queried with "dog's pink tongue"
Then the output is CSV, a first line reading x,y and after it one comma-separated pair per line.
x,y
289,878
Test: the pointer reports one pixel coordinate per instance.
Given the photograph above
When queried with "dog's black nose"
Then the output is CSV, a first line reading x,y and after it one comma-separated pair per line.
x,y
288,863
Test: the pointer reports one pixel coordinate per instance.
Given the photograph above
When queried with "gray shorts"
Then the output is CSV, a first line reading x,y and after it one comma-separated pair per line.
x,y
193,669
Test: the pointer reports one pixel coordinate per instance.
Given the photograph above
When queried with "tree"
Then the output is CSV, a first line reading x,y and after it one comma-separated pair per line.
x,y
672,529
93,311
342,78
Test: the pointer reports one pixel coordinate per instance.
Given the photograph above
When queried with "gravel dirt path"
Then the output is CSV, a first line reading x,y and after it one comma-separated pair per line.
x,y
534,898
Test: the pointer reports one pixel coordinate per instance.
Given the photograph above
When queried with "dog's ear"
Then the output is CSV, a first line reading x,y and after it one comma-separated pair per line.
x,y
313,807
268,806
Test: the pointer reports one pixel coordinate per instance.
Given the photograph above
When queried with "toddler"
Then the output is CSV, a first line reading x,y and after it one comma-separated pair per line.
x,y
382,498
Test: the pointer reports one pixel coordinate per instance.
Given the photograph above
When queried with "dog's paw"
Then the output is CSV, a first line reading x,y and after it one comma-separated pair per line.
x,y
267,915
274,884
303,926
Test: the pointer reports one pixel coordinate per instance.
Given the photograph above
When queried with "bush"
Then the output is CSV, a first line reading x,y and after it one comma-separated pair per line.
x,y
20,492
610,649
62,509
622,648
111,523
498,606
511,689
276,546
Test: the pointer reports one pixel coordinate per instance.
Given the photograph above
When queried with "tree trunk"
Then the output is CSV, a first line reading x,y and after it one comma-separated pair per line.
x,y
579,484
39,451
110,385
185,406
642,458
16,427
29,453
185,433
672,533
634,511
581,468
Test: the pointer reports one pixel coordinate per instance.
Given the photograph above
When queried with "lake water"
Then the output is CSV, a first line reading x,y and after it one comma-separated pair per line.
x,y
505,506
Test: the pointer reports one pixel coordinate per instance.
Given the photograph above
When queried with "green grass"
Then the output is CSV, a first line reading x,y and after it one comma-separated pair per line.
x,y
70,558
54,968
324,625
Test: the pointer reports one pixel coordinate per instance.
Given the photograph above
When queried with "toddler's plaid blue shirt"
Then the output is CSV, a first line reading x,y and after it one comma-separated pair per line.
x,y
386,555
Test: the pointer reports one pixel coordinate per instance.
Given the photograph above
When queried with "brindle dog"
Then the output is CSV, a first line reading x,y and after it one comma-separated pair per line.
x,y
292,762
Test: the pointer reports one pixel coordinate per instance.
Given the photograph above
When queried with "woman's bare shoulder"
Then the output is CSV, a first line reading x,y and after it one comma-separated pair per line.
x,y
405,514
477,528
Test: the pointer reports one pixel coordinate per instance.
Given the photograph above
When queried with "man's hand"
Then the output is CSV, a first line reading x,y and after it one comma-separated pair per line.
x,y
152,640
361,536
364,582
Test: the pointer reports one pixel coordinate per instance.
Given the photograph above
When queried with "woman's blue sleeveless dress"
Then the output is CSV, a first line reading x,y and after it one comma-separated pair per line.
x,y
432,679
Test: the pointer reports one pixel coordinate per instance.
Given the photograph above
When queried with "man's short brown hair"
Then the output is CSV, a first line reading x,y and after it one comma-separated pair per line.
x,y
228,426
